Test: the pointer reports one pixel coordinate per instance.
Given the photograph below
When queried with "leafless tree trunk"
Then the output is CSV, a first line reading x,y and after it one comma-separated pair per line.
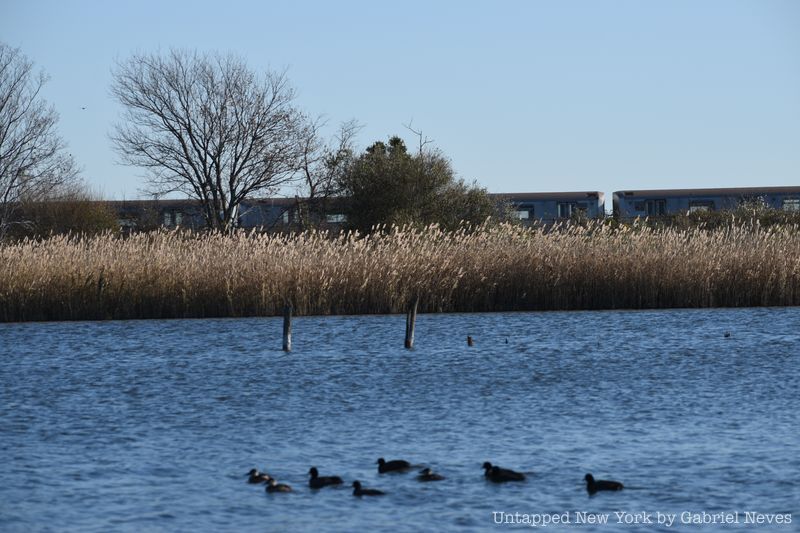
x,y
32,162
207,126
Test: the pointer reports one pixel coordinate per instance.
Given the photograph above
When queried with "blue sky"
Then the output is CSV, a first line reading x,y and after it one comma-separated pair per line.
x,y
521,95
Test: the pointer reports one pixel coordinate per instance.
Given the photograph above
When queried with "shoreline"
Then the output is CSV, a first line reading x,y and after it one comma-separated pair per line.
x,y
402,315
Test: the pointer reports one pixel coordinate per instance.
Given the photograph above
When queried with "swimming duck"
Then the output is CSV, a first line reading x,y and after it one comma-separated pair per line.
x,y
426,475
392,466
254,476
500,475
358,491
274,486
317,482
593,485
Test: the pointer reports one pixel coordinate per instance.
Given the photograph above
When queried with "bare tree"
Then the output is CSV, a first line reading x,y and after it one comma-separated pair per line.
x,y
321,167
207,126
423,141
32,161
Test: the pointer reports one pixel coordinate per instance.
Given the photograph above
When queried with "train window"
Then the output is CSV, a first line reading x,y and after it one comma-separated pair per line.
x,y
523,214
656,208
791,204
638,206
167,218
700,205
336,218
567,209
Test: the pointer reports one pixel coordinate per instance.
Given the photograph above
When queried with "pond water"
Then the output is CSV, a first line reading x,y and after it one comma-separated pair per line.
x,y
153,425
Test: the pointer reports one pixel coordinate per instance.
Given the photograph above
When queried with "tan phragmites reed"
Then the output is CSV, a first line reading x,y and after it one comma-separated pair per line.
x,y
172,274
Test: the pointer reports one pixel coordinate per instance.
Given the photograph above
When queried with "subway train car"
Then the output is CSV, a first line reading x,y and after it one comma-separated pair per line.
x,y
134,215
553,206
266,213
661,202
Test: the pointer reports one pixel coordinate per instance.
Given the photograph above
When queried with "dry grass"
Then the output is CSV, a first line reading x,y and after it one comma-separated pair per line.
x,y
490,269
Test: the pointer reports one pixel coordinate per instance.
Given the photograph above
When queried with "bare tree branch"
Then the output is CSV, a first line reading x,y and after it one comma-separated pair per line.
x,y
322,165
32,162
423,141
207,126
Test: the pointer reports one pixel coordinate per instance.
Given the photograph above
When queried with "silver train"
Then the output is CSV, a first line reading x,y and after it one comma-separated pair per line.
x,y
553,206
281,213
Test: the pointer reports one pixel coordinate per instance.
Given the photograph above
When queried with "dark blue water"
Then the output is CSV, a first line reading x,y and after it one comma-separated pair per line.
x,y
152,425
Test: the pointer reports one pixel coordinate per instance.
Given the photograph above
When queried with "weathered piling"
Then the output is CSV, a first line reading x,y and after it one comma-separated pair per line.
x,y
470,342
287,328
411,319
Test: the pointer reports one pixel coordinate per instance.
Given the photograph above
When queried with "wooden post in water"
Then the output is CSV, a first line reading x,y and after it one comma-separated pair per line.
x,y
411,319
287,328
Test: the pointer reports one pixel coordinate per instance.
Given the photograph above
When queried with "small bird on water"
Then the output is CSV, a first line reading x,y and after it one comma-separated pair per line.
x,y
501,475
427,475
593,485
274,486
254,476
358,491
317,482
397,465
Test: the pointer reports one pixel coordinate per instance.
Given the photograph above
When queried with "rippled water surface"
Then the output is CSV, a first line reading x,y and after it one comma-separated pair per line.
x,y
152,425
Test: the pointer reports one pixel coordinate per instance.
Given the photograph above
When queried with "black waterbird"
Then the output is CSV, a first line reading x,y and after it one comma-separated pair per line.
x,y
317,482
397,465
274,486
593,485
427,475
501,475
358,491
254,476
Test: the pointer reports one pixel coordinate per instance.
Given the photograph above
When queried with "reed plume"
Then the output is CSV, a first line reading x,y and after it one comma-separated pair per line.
x,y
489,268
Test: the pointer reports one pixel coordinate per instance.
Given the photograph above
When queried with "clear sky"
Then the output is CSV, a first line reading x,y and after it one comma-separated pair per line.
x,y
522,95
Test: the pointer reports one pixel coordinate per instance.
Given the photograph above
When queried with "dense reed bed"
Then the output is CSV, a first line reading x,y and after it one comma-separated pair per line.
x,y
162,275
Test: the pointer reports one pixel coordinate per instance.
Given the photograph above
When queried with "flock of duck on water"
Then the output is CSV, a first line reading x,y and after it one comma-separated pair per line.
x,y
491,472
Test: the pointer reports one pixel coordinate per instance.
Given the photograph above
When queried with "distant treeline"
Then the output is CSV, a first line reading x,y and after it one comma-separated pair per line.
x,y
489,268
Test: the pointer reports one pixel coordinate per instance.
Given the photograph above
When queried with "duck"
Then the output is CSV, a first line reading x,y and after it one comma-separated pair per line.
x,y
274,486
397,465
317,482
501,475
593,485
427,475
358,491
254,476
